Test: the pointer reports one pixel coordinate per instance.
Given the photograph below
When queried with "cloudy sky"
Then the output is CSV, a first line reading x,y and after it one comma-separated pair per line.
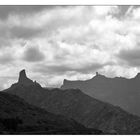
x,y
68,42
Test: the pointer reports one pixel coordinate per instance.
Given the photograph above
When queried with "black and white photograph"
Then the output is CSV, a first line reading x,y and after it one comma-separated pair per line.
x,y
69,69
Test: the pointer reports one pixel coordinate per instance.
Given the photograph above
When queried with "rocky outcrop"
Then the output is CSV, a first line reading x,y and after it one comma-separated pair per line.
x,y
24,81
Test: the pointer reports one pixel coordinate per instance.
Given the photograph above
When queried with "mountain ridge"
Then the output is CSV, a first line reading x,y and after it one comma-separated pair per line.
x,y
77,105
118,91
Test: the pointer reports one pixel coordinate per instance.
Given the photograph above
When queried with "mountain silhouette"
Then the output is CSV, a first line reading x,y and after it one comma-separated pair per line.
x,y
23,80
73,103
19,117
118,91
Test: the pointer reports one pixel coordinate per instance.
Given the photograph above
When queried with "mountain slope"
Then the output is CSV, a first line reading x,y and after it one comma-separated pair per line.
x,y
117,91
84,109
18,117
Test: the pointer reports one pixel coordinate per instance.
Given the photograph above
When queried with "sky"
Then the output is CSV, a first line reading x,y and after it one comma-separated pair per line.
x,y
54,43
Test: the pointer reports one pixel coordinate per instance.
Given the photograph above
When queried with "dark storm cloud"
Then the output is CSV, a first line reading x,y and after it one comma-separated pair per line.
x,y
123,9
24,32
33,54
7,34
132,57
62,69
6,10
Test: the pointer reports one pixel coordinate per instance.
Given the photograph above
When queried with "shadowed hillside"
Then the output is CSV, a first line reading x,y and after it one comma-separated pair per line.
x,y
18,117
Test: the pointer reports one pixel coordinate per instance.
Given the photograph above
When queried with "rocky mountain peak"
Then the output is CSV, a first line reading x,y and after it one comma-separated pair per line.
x,y
22,75
23,79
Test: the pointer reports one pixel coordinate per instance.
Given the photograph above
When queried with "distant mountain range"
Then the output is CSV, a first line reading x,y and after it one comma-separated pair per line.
x,y
73,103
117,91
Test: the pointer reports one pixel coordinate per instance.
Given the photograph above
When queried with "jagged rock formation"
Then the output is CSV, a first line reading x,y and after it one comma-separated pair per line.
x,y
84,109
23,80
18,117
117,91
